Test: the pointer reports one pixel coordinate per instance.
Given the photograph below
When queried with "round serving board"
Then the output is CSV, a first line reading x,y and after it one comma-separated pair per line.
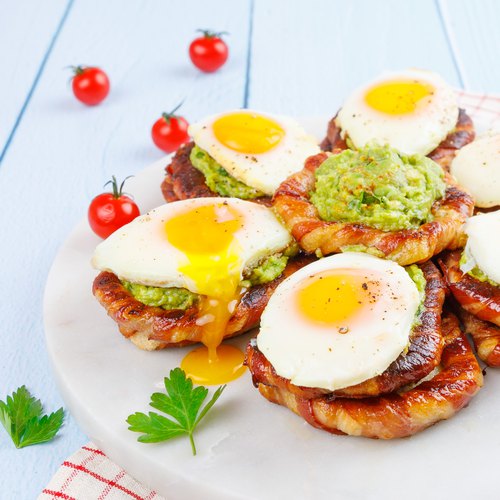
x,y
247,447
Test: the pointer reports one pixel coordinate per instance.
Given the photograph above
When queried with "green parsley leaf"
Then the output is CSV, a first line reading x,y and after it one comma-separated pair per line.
x,y
21,416
181,402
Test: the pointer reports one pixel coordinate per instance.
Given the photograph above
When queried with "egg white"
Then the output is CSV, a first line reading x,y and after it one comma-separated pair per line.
x,y
264,171
141,253
313,355
483,244
477,168
418,132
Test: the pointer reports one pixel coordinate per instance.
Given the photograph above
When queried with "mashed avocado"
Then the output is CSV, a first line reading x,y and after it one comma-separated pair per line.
x,y
271,267
167,298
219,180
179,298
266,271
363,248
418,278
379,187
476,272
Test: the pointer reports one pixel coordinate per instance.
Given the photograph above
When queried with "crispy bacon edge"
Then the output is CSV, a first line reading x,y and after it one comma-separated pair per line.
x,y
152,328
485,335
401,414
482,299
424,353
444,153
292,203
183,181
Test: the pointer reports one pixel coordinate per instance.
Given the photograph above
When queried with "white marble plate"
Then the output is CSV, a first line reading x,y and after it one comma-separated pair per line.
x,y
247,447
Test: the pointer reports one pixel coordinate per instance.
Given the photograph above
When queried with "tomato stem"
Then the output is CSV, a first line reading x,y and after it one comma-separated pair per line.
x,y
117,191
78,70
212,34
168,116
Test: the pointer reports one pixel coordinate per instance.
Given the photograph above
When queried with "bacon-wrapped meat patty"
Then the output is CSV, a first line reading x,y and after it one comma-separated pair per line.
x,y
477,305
398,414
293,204
152,328
422,356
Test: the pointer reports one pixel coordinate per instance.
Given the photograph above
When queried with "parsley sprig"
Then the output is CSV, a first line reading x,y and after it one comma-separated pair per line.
x,y
21,416
181,402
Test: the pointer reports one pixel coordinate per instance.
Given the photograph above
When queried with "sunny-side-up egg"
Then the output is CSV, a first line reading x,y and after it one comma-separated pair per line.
x,y
202,245
339,321
476,167
412,111
483,244
258,149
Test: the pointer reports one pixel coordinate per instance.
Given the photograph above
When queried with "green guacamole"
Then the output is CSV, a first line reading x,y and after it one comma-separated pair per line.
x,y
218,179
266,271
418,278
180,298
379,187
476,272
363,248
167,298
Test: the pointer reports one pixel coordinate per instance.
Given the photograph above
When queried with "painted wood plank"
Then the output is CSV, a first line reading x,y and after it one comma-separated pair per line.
x,y
27,30
308,56
472,28
63,153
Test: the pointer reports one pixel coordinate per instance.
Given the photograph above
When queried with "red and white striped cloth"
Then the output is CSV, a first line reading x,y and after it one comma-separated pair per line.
x,y
90,475
483,108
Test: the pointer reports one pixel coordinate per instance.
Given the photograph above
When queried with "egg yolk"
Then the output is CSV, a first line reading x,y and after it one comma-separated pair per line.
x,y
206,237
332,298
200,370
248,132
397,97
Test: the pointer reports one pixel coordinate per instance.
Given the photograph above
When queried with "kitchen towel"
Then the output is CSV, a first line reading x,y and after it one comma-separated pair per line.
x,y
89,474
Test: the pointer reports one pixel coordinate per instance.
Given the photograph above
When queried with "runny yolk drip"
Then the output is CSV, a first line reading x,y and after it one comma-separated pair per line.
x,y
201,370
205,235
332,298
397,97
248,132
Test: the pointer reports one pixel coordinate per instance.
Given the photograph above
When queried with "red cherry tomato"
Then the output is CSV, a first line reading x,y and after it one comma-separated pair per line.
x,y
110,211
208,52
90,85
170,131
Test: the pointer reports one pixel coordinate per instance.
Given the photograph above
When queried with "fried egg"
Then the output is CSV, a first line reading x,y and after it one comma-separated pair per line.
x,y
412,111
258,149
339,321
203,245
477,168
483,244
200,244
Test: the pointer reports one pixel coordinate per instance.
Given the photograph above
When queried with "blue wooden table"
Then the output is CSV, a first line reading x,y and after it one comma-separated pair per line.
x,y
296,58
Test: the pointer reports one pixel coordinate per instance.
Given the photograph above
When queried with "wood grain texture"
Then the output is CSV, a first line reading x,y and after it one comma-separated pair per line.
x,y
63,153
27,30
308,56
472,28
